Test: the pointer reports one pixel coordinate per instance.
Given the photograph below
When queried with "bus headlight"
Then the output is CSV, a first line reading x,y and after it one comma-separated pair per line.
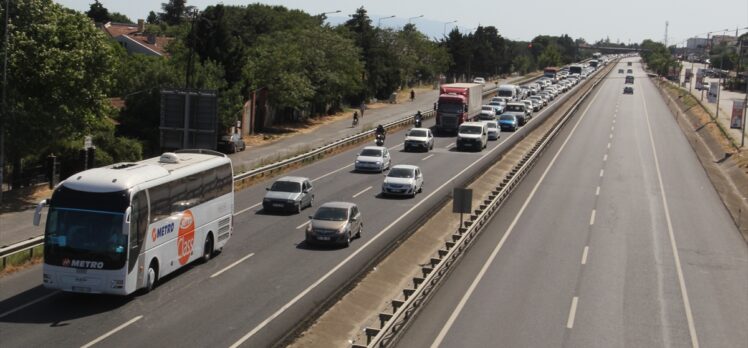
x,y
117,284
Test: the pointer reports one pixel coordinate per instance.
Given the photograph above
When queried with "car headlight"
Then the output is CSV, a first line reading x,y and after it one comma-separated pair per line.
x,y
357,161
379,162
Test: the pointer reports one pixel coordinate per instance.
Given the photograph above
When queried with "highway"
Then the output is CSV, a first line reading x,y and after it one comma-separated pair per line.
x,y
266,280
616,239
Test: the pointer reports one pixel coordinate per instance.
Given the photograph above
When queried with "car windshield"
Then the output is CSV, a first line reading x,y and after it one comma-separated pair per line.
x,y
486,116
417,133
286,186
491,125
371,153
470,130
400,173
331,214
507,117
515,108
487,108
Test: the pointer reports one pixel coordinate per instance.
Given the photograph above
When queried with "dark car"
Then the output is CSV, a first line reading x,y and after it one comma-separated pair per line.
x,y
628,90
508,122
231,143
335,223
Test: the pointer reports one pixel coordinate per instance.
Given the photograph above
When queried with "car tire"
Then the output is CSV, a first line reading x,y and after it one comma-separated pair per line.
x,y
207,249
299,208
360,228
232,148
311,201
348,240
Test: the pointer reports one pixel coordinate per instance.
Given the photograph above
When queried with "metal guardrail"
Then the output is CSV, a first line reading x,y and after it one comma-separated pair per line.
x,y
391,325
27,245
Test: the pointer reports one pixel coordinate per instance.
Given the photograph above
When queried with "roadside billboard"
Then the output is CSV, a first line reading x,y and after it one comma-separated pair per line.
x,y
736,121
713,91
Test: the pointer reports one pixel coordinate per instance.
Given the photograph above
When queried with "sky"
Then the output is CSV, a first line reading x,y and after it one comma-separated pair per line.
x,y
620,21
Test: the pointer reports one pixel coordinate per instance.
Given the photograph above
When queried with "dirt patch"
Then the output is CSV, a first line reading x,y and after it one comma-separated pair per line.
x,y
24,198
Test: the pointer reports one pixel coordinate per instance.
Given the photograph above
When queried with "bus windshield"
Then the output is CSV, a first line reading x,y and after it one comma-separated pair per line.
x,y
86,227
79,234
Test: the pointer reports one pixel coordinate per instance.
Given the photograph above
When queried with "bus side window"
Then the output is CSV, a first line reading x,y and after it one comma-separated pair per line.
x,y
138,227
160,202
224,179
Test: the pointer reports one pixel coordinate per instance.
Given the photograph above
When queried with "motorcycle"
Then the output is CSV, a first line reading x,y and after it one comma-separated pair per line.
x,y
380,139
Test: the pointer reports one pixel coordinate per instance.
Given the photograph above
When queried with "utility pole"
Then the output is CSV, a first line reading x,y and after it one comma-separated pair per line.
x,y
665,39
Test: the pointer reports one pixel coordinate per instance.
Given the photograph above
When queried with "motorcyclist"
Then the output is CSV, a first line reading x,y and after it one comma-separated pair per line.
x,y
355,118
381,130
418,119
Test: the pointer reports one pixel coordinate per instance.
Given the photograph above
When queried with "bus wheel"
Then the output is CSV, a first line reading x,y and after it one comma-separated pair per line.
x,y
208,249
152,277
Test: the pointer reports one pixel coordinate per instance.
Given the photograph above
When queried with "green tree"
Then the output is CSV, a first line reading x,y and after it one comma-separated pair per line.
x,y
550,57
152,18
119,18
174,11
59,68
98,13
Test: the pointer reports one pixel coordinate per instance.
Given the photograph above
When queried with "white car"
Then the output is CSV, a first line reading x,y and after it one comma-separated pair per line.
x,y
530,107
473,135
487,115
493,130
480,80
419,139
373,158
403,180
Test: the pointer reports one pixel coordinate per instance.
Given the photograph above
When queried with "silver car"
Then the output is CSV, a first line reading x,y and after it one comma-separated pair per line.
x,y
403,179
373,158
289,193
335,223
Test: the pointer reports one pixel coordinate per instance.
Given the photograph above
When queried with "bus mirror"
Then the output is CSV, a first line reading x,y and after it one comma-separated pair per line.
x,y
38,212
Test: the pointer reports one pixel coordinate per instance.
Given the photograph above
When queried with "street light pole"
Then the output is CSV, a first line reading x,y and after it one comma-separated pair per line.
x,y
324,14
411,18
445,26
4,108
379,22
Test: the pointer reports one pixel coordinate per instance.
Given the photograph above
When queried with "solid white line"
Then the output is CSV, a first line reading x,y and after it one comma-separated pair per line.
x,y
231,265
247,209
602,172
605,158
674,245
592,217
28,304
302,225
104,336
465,297
572,313
355,253
597,191
427,157
584,254
362,191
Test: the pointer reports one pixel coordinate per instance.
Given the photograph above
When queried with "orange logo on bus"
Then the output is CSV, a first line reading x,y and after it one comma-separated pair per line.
x,y
186,237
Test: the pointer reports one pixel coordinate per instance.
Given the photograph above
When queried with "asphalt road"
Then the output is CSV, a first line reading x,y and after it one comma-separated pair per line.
x,y
616,239
263,283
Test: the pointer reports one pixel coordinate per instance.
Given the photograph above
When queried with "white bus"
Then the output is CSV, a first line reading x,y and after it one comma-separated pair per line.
x,y
121,228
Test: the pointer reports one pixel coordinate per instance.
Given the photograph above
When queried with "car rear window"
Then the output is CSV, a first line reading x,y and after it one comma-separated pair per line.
x,y
417,133
371,153
507,117
331,214
286,186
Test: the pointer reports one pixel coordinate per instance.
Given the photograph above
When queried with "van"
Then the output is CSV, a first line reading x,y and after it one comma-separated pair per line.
x,y
472,135
519,110
507,91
